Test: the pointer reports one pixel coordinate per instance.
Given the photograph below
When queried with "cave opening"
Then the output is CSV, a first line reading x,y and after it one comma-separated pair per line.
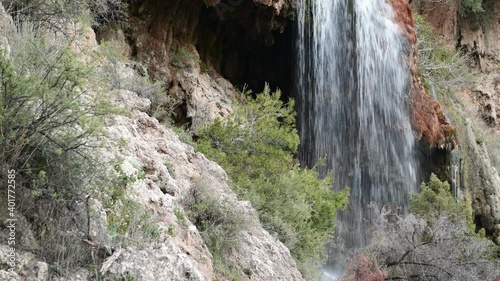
x,y
248,45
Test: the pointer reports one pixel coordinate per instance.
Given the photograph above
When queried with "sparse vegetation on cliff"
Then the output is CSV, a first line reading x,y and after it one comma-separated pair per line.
x,y
436,241
471,7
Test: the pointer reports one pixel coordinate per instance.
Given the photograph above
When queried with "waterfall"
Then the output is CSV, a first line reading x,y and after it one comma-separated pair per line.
x,y
353,85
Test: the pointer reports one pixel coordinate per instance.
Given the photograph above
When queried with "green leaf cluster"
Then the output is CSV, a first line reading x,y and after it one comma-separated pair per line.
x,y
471,7
256,146
435,199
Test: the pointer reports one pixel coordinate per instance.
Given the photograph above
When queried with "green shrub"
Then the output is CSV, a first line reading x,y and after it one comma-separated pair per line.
x,y
435,199
256,146
50,120
436,241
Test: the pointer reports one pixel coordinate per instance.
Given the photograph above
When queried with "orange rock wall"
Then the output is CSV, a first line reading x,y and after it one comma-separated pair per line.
x,y
427,117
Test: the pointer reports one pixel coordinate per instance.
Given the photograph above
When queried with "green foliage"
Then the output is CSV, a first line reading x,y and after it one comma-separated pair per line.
x,y
184,135
179,214
442,67
54,14
435,199
436,240
257,140
256,147
129,222
471,7
170,230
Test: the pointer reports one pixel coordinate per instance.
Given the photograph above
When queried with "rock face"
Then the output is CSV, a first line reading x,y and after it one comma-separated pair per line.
x,y
483,37
173,170
428,119
474,110
27,266
480,172
170,170
443,15
479,151
186,44
479,37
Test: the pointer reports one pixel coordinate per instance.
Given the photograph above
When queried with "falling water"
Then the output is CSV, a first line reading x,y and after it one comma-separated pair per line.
x,y
353,83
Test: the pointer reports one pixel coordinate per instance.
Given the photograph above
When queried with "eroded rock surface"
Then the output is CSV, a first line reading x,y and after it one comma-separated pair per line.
x,y
173,170
427,117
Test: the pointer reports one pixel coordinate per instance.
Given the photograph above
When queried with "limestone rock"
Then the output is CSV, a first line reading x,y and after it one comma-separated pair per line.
x,y
27,266
486,96
443,16
207,97
98,228
173,169
485,40
114,35
164,262
481,173
483,37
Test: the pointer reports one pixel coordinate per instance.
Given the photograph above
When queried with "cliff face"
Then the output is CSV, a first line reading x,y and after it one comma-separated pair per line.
x,y
428,120
474,110
169,169
189,45
478,34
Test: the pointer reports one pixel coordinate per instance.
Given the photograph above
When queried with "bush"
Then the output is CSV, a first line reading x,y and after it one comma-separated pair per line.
x,y
50,119
363,268
442,67
47,104
434,242
256,147
470,7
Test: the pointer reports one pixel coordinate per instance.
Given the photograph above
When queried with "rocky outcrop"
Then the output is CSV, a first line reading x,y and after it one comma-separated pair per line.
x,y
173,170
28,267
428,120
486,96
444,17
169,171
478,34
191,45
479,159
484,183
474,109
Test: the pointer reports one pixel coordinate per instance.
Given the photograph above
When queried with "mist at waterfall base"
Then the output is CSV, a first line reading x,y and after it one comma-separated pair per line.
x,y
353,85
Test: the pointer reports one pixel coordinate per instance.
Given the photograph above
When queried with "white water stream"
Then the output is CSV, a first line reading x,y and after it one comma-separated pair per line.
x,y
353,82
